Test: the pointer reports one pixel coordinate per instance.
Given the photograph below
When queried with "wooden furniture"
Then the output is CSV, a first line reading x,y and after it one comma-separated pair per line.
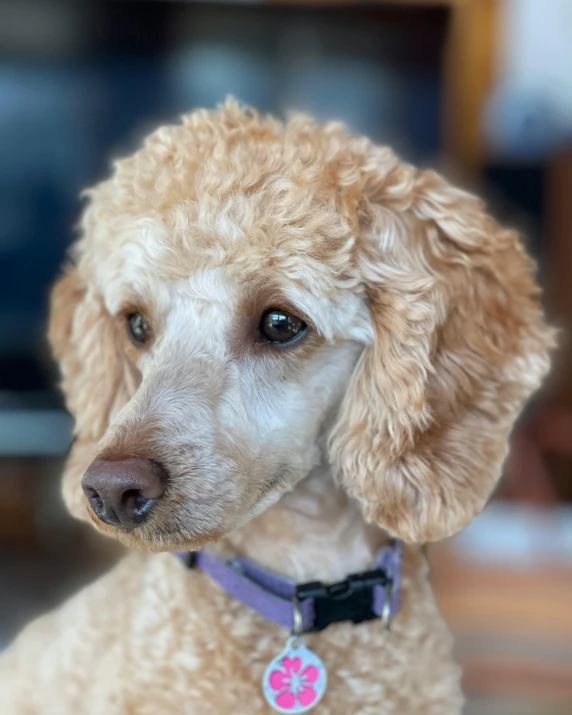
x,y
513,628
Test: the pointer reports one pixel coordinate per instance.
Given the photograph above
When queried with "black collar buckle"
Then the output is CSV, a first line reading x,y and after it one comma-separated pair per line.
x,y
349,600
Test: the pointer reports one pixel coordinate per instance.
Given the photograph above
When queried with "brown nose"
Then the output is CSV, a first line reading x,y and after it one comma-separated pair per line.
x,y
122,492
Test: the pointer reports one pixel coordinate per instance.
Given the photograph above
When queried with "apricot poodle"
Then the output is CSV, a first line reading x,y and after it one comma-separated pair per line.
x,y
283,344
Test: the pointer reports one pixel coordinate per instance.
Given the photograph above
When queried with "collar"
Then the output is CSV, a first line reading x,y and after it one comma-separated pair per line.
x,y
309,606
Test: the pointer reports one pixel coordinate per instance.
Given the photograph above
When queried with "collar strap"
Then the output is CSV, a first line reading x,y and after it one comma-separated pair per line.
x,y
309,606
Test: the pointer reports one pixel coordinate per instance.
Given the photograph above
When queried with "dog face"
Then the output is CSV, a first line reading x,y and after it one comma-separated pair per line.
x,y
237,371
249,300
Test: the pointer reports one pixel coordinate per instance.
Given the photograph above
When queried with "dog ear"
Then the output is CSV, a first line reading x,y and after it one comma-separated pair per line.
x,y
459,345
97,379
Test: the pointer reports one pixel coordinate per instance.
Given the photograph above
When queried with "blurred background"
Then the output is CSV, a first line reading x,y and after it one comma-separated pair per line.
x,y
481,89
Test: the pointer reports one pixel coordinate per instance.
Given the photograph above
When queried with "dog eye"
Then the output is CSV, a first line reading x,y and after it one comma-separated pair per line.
x,y
278,326
138,328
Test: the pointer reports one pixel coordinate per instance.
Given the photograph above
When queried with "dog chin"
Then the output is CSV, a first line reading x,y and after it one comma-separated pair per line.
x,y
168,545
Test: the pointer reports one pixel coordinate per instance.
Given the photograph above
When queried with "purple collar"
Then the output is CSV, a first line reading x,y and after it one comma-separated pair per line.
x,y
309,606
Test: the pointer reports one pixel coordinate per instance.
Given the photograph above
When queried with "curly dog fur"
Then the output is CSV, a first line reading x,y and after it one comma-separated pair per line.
x,y
389,417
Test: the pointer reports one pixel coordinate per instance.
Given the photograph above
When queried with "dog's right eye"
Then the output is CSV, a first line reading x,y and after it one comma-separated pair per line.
x,y
279,327
138,328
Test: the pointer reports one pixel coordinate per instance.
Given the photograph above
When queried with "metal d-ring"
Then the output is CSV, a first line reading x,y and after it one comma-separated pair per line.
x,y
298,624
386,610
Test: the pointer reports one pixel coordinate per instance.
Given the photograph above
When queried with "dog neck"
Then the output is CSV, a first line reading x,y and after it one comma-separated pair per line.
x,y
315,532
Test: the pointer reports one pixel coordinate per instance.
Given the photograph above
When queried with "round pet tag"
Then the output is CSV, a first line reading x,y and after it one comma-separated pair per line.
x,y
295,681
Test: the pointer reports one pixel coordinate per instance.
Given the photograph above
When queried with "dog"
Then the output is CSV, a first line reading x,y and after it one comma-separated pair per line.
x,y
279,343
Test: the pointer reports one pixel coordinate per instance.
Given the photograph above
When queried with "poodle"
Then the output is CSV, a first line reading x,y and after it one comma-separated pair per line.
x,y
287,352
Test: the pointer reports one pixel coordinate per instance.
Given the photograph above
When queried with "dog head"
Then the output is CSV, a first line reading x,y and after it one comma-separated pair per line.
x,y
250,299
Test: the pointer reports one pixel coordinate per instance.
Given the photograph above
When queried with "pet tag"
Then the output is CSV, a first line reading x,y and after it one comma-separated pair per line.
x,y
295,681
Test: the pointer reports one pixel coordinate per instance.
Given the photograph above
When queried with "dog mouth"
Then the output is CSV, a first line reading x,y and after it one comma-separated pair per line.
x,y
157,538
189,513
171,523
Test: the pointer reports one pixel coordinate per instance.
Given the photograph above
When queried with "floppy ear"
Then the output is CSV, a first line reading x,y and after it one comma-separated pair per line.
x,y
97,380
459,345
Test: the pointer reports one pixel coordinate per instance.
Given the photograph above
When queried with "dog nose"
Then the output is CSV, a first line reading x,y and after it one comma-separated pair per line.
x,y
122,492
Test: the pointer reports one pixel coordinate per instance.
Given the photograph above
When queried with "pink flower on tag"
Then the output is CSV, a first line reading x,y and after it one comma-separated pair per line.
x,y
293,684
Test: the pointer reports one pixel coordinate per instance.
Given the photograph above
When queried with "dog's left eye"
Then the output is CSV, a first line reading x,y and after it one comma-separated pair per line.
x,y
138,328
278,326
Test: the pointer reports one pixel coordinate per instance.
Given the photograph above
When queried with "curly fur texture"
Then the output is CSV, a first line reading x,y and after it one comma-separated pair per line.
x,y
390,416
